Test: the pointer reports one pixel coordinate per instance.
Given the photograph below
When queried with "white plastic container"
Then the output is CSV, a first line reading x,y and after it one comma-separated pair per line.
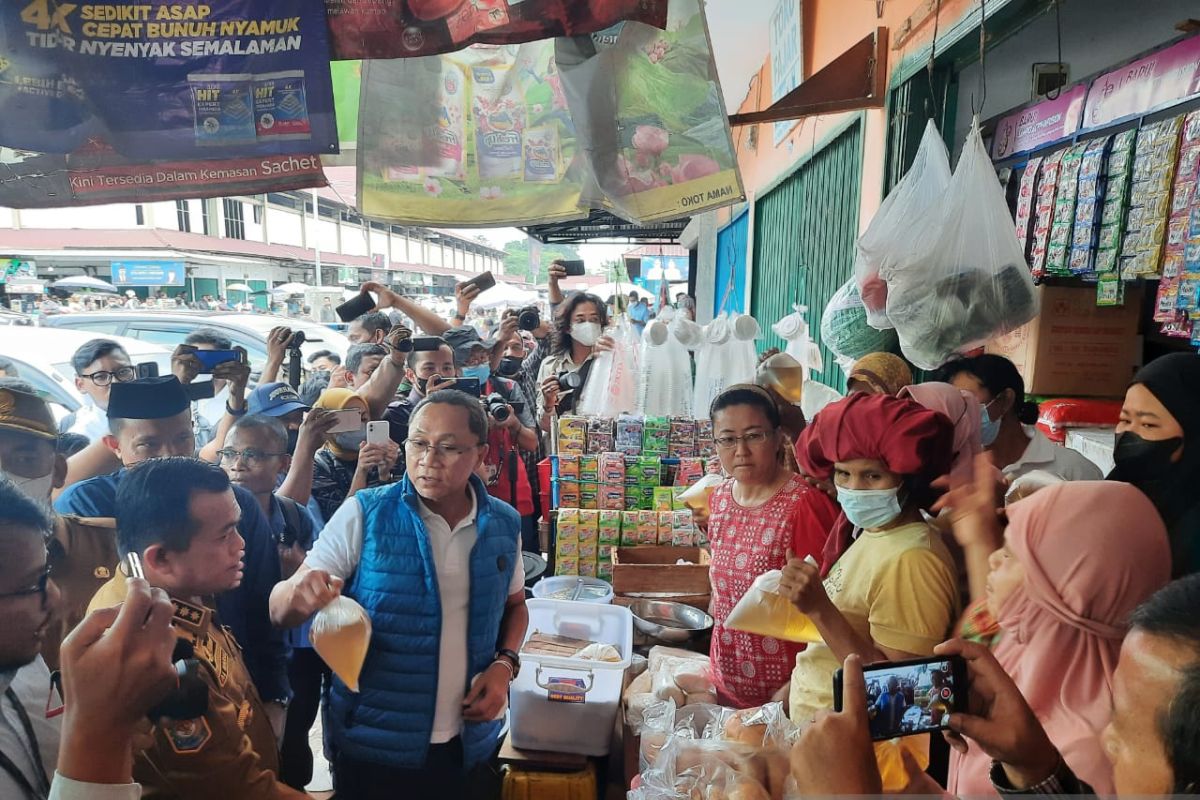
x,y
569,705
562,587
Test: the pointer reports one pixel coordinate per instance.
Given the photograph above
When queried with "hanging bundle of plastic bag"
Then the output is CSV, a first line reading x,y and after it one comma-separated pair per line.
x,y
898,225
845,330
794,330
970,283
612,386
665,384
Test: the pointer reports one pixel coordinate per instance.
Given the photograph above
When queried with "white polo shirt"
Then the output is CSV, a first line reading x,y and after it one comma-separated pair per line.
x,y
339,549
1045,455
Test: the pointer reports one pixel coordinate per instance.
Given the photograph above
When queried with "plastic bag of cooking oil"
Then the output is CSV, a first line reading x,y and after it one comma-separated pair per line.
x,y
341,634
764,611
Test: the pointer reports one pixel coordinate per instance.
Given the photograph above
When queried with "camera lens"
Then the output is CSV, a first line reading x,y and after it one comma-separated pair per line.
x,y
569,380
497,407
298,338
529,319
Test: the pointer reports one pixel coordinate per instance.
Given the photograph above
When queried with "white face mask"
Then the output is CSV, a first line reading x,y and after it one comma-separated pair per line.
x,y
36,489
586,333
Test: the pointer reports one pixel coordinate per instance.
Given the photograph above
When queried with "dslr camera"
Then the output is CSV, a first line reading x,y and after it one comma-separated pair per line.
x,y
569,381
298,338
497,406
528,318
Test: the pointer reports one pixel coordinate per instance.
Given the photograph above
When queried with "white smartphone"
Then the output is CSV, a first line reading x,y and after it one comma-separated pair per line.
x,y
347,420
379,432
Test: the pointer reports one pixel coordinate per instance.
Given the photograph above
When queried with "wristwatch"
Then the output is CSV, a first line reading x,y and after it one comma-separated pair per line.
x,y
460,317
512,657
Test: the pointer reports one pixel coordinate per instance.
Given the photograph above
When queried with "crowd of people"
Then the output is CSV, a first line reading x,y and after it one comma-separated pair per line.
x,y
163,553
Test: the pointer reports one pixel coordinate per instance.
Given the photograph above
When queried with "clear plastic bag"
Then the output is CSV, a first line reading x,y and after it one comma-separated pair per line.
x,y
971,283
765,612
899,225
845,330
341,634
612,385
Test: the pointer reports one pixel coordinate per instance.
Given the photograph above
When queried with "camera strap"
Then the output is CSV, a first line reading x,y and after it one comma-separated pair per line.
x,y
35,754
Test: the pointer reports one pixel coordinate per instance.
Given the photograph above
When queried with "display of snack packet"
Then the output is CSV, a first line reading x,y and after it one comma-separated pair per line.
x,y
589,496
589,468
604,570
587,568
609,528
566,565
705,446
649,471
690,471
683,529
1026,201
647,527
572,434
588,551
663,523
568,494
589,525
628,439
612,498
612,468
567,532
568,466
664,498
629,529
656,436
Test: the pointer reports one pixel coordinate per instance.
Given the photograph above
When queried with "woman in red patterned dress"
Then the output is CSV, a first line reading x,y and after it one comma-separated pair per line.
x,y
755,519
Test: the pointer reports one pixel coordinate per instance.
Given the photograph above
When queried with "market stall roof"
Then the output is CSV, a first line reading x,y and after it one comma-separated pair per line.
x,y
602,227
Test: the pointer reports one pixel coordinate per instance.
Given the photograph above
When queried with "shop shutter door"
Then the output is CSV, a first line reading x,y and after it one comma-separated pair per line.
x,y
730,284
804,233
262,301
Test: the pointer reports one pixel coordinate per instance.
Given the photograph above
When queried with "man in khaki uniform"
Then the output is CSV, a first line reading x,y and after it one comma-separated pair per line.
x,y
82,551
181,517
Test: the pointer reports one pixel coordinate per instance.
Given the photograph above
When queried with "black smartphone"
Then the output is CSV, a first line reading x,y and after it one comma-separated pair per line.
x,y
484,280
574,267
355,307
147,370
209,359
426,343
908,697
469,385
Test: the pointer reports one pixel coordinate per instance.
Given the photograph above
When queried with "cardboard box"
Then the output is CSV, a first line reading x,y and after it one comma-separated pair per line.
x,y
1075,348
1096,444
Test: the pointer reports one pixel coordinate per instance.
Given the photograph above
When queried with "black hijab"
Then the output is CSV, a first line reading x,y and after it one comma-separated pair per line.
x,y
1175,381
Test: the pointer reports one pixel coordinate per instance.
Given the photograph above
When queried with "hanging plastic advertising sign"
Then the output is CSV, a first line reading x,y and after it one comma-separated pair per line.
x,y
1040,124
1161,79
161,80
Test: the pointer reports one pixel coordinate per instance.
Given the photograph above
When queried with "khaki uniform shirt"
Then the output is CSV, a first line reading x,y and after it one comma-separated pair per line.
x,y
230,751
83,556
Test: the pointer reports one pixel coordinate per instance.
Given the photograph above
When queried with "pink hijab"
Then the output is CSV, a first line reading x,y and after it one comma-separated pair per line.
x,y
961,408
1092,552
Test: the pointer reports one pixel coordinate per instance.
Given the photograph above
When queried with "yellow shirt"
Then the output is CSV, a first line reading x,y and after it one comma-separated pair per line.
x,y
897,587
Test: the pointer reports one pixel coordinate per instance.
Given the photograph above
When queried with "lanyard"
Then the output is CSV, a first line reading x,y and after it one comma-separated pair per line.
x,y
8,766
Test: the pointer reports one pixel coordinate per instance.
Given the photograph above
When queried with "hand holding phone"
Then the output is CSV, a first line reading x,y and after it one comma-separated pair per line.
x,y
211,359
574,267
834,755
355,307
379,432
483,281
909,697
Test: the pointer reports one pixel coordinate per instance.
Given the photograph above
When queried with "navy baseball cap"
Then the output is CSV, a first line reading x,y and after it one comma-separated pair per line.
x,y
463,340
274,400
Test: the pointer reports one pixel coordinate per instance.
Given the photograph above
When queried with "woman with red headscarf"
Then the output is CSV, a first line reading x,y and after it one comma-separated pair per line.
x,y
892,593
1077,559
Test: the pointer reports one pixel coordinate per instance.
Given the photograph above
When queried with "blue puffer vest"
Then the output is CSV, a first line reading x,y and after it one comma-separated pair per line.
x,y
390,720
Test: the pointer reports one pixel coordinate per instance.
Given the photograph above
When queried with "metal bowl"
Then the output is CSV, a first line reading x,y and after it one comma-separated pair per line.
x,y
669,622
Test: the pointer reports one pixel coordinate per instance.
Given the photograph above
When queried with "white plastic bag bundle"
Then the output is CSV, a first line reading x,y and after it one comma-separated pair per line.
x,y
665,388
845,330
898,227
794,330
341,634
971,283
612,385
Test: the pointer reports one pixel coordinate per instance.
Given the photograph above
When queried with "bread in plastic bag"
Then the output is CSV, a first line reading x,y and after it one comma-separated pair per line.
x,y
845,330
765,612
970,283
341,634
900,224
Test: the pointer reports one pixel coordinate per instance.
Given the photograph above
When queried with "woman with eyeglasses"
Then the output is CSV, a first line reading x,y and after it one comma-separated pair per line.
x,y
764,512
347,463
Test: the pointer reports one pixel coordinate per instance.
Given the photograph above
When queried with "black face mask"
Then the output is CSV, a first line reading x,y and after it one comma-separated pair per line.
x,y
421,384
1143,461
293,436
510,367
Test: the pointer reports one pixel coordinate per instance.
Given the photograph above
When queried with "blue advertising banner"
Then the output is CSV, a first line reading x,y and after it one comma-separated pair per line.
x,y
148,273
166,80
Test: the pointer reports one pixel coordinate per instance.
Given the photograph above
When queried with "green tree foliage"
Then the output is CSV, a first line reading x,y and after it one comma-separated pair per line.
x,y
516,259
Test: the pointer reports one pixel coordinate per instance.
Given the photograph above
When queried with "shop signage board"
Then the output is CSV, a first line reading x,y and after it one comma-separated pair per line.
x,y
148,273
213,80
413,28
1040,124
787,69
15,269
1161,79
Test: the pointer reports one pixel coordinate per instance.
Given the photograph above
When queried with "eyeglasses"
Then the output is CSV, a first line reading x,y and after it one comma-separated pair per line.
x,y
419,448
252,457
38,588
752,439
104,377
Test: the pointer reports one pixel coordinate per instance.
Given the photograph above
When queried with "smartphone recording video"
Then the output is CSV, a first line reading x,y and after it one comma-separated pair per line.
x,y
910,697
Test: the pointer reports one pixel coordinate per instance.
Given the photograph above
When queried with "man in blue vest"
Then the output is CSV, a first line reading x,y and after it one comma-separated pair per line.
x,y
436,563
